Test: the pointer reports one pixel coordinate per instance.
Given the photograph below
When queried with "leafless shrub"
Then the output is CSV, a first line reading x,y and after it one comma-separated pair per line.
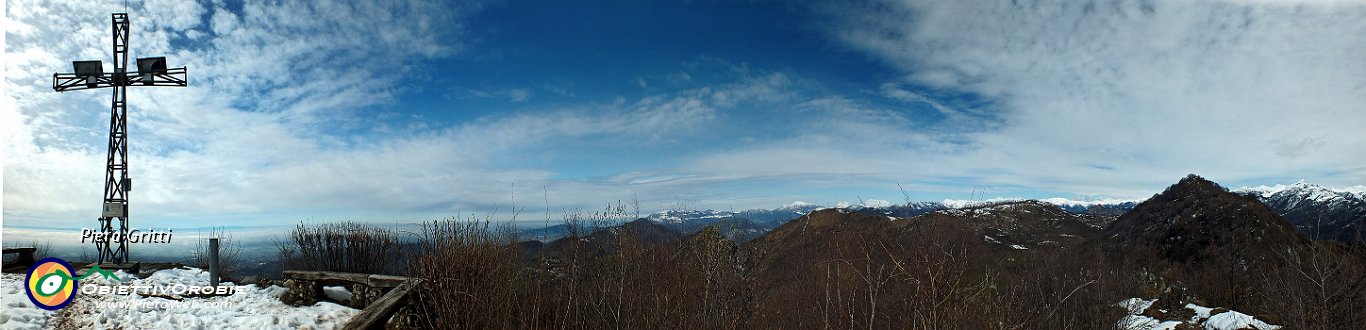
x,y
1322,286
602,275
343,246
229,253
473,277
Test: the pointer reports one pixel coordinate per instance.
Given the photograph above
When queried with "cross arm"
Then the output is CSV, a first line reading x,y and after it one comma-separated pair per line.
x,y
175,77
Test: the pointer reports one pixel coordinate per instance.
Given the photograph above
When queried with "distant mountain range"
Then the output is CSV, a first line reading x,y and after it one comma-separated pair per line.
x,y
1195,242
758,221
1320,212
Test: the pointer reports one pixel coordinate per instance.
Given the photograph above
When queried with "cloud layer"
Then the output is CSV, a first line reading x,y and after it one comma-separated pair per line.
x,y
301,109
1120,97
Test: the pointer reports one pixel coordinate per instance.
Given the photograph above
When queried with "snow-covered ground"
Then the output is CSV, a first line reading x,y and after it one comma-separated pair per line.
x,y
250,308
1229,320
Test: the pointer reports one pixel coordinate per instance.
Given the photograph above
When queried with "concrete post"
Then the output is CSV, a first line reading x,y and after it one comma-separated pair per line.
x,y
213,261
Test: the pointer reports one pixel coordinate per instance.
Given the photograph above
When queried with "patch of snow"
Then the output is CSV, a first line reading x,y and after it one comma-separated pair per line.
x,y
1140,322
1201,312
18,312
1018,247
1136,305
990,239
1230,320
337,293
251,307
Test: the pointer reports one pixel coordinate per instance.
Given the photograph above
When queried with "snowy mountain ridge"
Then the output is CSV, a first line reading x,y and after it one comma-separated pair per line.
x,y
800,208
1057,201
682,216
1305,189
1320,212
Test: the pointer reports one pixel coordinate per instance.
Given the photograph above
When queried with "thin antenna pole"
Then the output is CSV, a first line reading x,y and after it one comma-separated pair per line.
x,y
545,232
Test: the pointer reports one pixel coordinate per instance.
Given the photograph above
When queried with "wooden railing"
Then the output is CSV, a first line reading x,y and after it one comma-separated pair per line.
x,y
376,313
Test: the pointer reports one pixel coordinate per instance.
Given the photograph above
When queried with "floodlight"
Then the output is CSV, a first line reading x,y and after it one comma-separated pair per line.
x,y
152,65
148,67
90,70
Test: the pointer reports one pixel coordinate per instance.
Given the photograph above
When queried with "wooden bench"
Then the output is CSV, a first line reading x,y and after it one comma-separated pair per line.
x,y
376,313
25,255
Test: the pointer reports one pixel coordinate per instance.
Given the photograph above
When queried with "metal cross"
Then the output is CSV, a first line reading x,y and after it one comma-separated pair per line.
x,y
152,71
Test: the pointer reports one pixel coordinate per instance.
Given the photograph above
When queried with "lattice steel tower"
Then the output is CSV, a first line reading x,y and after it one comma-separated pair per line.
x,y
152,71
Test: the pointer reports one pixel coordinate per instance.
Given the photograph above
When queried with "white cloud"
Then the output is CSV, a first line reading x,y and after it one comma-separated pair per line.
x,y
892,91
515,95
1125,97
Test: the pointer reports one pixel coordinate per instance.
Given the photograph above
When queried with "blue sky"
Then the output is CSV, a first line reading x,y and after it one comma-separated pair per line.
x,y
417,110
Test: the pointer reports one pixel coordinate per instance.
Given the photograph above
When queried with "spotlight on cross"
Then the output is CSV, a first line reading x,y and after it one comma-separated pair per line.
x,y
90,71
149,67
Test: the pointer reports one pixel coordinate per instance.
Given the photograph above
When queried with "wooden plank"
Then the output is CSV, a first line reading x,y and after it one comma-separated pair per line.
x,y
379,312
374,280
312,275
20,249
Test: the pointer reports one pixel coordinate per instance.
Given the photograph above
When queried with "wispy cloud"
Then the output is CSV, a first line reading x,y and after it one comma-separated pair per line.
x,y
1150,90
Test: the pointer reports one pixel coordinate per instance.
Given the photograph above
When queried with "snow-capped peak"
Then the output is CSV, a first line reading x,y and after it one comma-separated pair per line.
x,y
1305,190
1359,190
1263,191
1087,203
959,203
681,216
866,204
1059,201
